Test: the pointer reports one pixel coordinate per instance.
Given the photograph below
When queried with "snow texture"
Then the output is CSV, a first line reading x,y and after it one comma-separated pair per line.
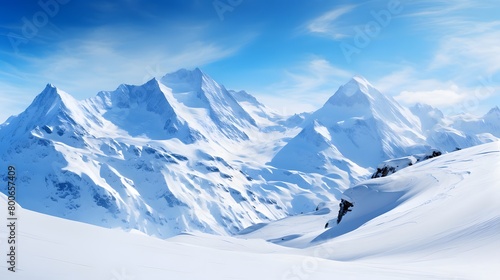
x,y
184,154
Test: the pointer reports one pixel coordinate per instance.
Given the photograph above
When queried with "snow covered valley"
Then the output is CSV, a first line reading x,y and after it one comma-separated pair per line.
x,y
437,219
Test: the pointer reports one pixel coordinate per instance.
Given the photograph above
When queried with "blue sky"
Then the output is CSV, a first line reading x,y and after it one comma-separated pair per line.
x,y
291,54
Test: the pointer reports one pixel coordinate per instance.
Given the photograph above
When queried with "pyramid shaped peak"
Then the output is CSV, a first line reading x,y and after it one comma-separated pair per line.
x,y
361,81
357,84
51,94
50,89
356,91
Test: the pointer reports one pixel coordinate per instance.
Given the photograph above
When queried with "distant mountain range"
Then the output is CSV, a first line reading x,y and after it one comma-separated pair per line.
x,y
183,153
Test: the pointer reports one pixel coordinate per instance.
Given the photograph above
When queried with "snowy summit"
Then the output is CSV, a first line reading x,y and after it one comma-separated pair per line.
x,y
183,158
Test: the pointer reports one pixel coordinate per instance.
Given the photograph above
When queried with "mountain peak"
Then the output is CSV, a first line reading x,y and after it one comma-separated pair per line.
x,y
50,98
184,80
361,83
50,91
195,89
493,115
366,125
494,110
358,91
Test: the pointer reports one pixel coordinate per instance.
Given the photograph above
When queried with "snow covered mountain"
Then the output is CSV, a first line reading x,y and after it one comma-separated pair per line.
x,y
357,123
183,153
172,155
204,97
449,133
438,219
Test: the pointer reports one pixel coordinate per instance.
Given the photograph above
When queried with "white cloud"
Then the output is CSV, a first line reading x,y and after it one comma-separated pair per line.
x,y
438,98
475,51
466,36
315,74
409,87
327,24
306,87
399,79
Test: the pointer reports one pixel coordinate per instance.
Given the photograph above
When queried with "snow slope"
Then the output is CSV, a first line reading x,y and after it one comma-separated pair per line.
x,y
53,248
441,213
438,219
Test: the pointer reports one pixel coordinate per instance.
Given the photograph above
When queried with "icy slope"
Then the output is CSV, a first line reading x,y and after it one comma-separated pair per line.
x,y
54,248
439,212
148,110
196,90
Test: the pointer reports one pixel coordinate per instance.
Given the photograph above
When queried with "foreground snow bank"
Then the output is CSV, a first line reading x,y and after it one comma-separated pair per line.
x,y
54,248
441,213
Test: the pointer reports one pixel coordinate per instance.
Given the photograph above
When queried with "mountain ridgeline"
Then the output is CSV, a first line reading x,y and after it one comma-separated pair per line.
x,y
183,153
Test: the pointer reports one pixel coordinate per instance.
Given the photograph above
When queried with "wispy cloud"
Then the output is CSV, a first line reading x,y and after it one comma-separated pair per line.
x,y
305,87
463,56
409,86
479,49
466,40
103,58
328,25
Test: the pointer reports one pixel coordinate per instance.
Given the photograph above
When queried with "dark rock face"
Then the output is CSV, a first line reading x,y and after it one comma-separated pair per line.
x,y
384,171
344,208
391,166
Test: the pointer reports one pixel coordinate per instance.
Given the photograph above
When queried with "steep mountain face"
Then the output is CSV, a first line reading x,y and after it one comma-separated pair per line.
x,y
53,113
429,116
364,125
148,110
197,91
312,151
263,116
184,154
163,158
